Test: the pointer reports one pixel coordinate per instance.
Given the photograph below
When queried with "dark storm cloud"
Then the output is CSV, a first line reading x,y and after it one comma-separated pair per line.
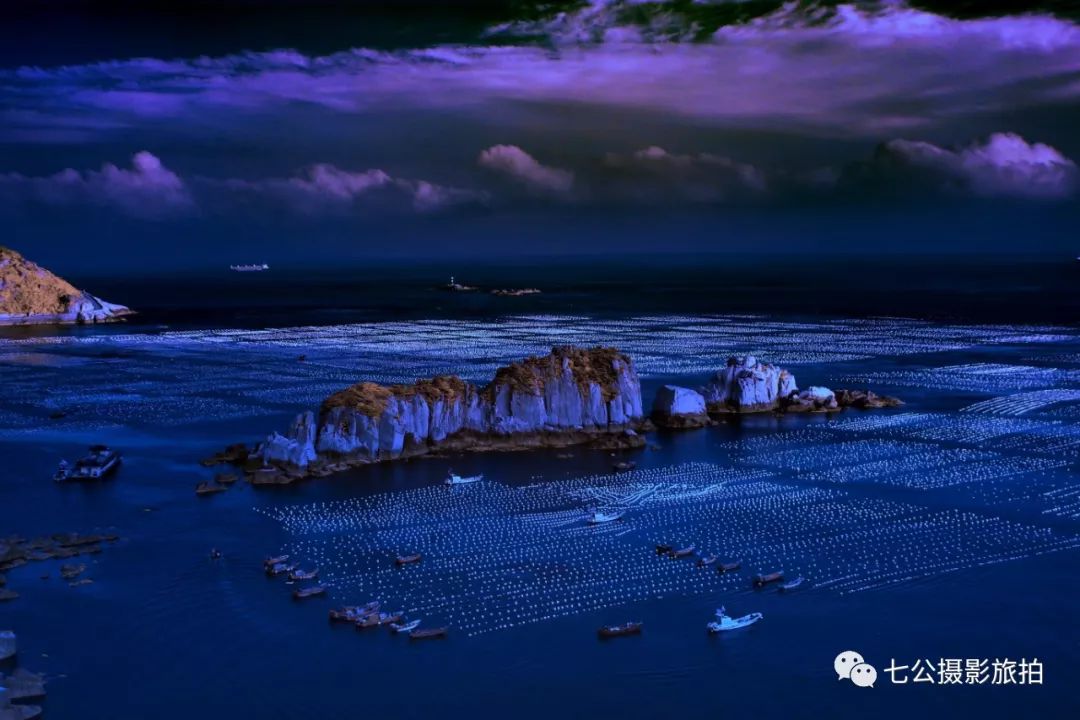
x,y
843,74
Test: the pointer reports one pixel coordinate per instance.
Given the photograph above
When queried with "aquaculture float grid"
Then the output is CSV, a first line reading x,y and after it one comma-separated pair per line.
x,y
979,468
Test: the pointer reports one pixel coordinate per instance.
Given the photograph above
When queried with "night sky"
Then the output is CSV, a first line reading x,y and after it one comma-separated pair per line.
x,y
201,134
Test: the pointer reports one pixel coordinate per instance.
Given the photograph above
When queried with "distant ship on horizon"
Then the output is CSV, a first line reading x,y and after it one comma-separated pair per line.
x,y
249,268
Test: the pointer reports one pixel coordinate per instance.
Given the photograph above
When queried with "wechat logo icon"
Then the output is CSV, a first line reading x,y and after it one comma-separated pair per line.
x,y
850,665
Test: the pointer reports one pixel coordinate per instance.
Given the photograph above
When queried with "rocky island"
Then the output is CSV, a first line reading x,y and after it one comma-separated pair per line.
x,y
572,396
30,294
748,386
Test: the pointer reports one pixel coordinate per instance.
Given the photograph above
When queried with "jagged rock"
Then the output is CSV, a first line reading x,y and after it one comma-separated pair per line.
x,y
679,407
571,396
865,399
30,294
297,447
813,399
235,454
746,385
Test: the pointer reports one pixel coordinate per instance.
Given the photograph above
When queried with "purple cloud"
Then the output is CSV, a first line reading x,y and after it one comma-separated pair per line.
x,y
147,189
513,161
326,188
1004,165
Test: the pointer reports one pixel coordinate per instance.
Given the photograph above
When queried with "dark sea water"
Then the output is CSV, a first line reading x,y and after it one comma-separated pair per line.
x,y
948,528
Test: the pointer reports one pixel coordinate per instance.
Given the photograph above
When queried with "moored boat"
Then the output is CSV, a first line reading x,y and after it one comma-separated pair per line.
x,y
455,479
301,593
624,466
399,627
352,613
763,580
791,585
429,633
280,569
627,628
272,561
706,561
682,552
304,575
663,548
724,623
408,559
597,517
99,462
729,566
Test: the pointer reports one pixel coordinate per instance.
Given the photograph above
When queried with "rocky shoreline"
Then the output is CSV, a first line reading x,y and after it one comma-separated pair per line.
x,y
31,295
570,397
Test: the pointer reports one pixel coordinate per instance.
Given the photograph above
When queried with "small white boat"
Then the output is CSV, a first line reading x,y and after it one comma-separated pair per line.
x,y
724,623
404,627
455,479
597,517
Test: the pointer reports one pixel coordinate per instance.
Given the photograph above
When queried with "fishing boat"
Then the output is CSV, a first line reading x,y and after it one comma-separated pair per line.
x,y
596,517
791,585
763,580
624,466
706,561
367,621
724,623
408,559
272,561
682,552
455,479
398,627
729,566
301,593
663,548
99,462
428,634
280,569
391,618
627,628
304,574
352,613
253,267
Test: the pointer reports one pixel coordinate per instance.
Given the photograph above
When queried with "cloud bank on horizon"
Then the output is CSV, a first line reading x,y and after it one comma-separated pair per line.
x,y
615,102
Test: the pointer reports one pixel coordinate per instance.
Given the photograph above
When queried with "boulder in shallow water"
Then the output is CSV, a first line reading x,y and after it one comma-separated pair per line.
x,y
812,399
679,407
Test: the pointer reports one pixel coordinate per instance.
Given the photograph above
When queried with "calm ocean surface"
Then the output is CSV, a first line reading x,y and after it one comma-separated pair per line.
x,y
948,528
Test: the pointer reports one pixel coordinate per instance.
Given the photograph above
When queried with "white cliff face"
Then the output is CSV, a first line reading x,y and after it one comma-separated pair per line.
x,y
673,400
296,447
749,386
538,395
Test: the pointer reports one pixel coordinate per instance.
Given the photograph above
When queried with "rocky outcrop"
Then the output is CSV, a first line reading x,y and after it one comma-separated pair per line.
x,y
679,407
30,294
812,399
571,396
865,400
746,385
